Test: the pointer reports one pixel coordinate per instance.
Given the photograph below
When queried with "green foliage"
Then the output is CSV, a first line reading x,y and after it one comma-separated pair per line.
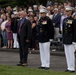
x,y
4,3
60,1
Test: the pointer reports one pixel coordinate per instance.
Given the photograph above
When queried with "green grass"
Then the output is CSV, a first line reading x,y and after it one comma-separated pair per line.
x,y
12,70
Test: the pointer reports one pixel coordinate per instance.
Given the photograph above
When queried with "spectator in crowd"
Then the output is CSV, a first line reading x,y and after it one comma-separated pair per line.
x,y
49,15
35,9
56,2
48,3
61,22
62,9
9,34
75,9
33,39
1,20
9,10
36,19
15,9
55,5
2,12
49,12
20,9
14,24
0,32
69,3
37,44
30,11
56,22
24,36
8,15
65,4
3,31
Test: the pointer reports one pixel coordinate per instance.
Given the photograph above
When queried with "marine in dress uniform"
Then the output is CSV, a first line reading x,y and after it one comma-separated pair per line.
x,y
45,33
68,39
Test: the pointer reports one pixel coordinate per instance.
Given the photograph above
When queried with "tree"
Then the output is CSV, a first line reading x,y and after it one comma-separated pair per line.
x,y
4,3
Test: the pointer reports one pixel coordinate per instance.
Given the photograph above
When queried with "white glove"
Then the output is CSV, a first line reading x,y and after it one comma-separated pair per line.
x,y
74,43
51,40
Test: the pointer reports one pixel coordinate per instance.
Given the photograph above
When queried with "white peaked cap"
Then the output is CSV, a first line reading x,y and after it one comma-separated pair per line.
x,y
14,8
43,11
34,5
15,12
67,8
74,13
29,10
42,7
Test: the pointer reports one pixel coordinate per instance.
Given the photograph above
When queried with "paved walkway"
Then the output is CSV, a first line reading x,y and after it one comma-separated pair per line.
x,y
58,63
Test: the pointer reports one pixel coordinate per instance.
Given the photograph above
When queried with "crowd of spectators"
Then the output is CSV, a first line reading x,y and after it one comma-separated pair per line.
x,y
9,18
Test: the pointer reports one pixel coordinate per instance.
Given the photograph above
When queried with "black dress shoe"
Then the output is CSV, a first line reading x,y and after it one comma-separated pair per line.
x,y
66,70
46,68
41,67
22,64
19,64
69,71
